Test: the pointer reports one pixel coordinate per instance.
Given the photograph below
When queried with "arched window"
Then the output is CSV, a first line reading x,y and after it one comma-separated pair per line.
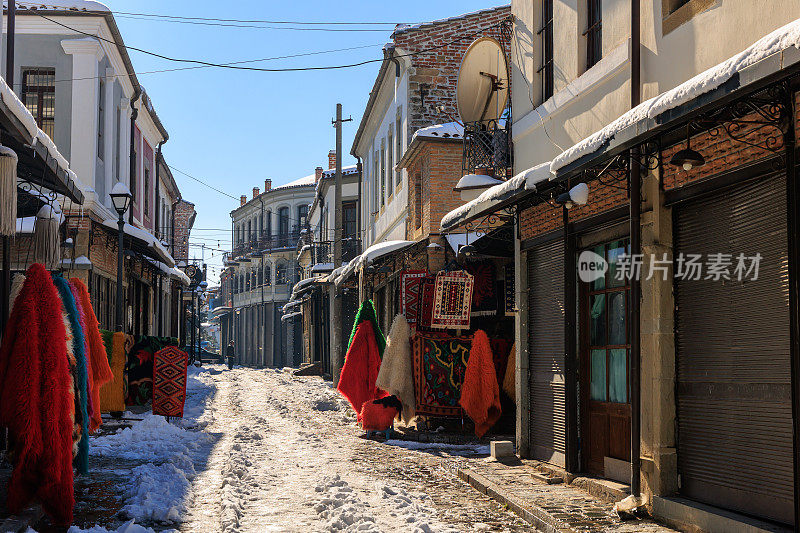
x,y
280,274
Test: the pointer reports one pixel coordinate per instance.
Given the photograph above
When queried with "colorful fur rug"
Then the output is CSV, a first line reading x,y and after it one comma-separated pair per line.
x,y
360,370
396,375
440,362
36,399
480,393
112,394
96,354
169,381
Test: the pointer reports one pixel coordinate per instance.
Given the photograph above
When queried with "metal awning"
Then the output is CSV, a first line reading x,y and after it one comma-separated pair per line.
x,y
142,242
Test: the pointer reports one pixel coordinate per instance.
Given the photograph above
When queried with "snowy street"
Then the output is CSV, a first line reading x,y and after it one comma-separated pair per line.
x,y
261,450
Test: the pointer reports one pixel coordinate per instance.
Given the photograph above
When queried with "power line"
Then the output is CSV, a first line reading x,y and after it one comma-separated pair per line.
x,y
260,69
202,182
250,26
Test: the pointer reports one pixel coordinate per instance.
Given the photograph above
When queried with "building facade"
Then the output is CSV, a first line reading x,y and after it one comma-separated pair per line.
x,y
84,93
262,269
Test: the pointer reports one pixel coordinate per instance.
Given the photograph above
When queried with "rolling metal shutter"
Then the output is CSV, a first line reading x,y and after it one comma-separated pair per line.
x,y
546,351
732,344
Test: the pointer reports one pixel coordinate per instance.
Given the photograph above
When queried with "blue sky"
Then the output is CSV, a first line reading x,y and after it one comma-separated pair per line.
x,y
235,128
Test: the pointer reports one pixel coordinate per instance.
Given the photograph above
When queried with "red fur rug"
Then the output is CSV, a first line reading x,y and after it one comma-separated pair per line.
x,y
480,393
100,371
36,399
360,370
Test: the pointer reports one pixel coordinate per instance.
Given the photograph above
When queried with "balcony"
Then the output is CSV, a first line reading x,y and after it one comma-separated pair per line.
x,y
487,148
266,244
322,251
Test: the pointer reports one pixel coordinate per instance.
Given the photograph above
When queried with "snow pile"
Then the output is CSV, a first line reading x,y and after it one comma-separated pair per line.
x,y
450,449
343,509
127,527
442,131
704,82
527,179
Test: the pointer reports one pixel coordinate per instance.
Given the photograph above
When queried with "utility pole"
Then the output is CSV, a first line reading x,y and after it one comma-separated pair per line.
x,y
336,338
5,279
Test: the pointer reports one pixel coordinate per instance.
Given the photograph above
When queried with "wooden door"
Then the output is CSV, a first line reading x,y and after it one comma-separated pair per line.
x,y
605,363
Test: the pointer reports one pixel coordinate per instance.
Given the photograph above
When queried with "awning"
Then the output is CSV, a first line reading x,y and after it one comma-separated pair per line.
x,y
291,304
497,197
143,242
370,254
40,162
290,316
305,285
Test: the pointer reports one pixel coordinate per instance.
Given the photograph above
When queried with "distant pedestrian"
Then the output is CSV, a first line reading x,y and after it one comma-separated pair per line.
x,y
229,355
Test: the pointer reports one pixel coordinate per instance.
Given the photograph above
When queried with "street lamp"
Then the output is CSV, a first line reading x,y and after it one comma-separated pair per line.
x,y
121,198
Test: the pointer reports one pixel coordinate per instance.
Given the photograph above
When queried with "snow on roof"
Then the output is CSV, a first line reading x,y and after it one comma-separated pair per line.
x,y
402,28
370,254
708,80
143,235
180,275
346,171
290,304
527,179
441,131
471,181
322,267
291,315
60,5
300,182
304,283
80,263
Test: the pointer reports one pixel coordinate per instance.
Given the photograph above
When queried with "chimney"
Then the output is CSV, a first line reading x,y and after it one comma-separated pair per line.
x,y
255,192
317,174
243,200
332,159
267,185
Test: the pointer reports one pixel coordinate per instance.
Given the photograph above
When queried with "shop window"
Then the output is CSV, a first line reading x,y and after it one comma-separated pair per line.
x,y
39,96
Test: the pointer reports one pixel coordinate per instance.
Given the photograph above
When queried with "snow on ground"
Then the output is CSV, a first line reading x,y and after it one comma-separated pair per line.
x,y
262,450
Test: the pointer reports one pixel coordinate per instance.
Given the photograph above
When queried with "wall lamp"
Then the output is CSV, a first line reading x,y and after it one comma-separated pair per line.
x,y
687,158
578,195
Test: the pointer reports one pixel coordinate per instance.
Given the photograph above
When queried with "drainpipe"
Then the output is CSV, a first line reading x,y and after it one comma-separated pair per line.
x,y
137,92
158,223
360,170
636,248
570,348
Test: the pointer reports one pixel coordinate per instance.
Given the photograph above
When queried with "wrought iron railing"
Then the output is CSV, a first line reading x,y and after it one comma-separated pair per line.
x,y
322,251
487,148
266,243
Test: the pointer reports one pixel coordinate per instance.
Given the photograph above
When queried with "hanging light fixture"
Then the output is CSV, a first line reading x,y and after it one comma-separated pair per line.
x,y
687,158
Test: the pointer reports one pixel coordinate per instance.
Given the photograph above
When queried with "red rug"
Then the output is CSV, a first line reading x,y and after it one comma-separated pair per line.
x,y
169,381
412,294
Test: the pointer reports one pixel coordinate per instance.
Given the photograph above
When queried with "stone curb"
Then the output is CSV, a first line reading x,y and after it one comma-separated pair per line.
x,y
536,516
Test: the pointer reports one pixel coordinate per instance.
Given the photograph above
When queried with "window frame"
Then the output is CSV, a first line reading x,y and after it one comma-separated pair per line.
x,y
593,32
545,32
40,91
390,159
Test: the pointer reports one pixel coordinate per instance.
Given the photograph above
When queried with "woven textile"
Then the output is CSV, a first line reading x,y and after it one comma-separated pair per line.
x,y
428,287
169,381
484,294
112,394
139,368
412,294
452,300
439,366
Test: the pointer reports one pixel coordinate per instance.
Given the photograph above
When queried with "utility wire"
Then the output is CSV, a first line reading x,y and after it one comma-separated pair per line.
x,y
202,182
260,69
251,26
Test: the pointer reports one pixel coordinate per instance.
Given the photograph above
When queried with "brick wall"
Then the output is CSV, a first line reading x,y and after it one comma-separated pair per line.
x,y
437,166
184,214
432,76
544,218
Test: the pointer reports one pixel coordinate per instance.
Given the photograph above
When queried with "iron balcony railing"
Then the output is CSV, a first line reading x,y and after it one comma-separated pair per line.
x,y
487,148
322,251
266,243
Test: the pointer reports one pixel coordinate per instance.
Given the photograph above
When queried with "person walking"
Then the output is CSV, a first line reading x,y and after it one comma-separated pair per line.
x,y
229,355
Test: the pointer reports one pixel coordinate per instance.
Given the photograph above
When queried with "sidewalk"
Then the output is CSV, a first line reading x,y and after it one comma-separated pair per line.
x,y
551,507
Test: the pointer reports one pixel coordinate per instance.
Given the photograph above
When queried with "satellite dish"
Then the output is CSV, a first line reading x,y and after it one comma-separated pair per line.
x,y
482,89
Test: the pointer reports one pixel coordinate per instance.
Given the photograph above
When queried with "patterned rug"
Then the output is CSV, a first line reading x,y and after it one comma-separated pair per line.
x,y
484,297
452,300
428,287
169,381
139,368
412,294
439,365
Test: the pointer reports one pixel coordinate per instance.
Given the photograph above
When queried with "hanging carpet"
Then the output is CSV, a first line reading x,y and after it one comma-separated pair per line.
x,y
439,365
452,300
484,295
412,293
427,290
169,381
36,399
139,368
